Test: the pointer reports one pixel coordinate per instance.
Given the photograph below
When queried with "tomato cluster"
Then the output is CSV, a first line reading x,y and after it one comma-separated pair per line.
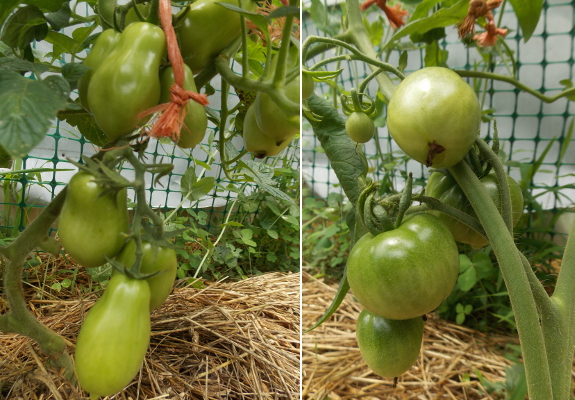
x,y
114,337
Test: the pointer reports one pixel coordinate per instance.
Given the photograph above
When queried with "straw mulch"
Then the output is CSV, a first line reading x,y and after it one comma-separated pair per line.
x,y
334,369
229,340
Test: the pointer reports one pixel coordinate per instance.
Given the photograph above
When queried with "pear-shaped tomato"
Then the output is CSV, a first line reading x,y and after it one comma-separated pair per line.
x,y
272,121
154,259
257,142
389,347
196,120
92,225
114,337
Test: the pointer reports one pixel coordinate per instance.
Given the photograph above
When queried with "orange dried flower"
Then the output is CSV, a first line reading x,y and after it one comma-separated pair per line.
x,y
489,37
394,14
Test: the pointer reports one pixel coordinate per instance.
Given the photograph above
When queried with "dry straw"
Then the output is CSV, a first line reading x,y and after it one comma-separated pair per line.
x,y
333,367
229,340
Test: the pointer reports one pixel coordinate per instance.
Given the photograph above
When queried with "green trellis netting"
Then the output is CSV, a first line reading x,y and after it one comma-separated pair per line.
x,y
25,192
525,124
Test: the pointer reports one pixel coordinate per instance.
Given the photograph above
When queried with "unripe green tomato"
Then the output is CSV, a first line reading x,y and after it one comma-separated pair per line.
x,y
104,45
405,272
207,29
446,189
257,142
307,86
272,121
128,82
114,337
92,226
153,260
196,120
389,347
360,127
434,117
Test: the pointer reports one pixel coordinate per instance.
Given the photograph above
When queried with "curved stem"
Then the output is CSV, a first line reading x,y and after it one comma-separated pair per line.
x,y
19,319
516,83
309,52
522,301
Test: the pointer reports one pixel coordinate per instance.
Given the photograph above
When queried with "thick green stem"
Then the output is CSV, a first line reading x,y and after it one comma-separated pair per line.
x,y
502,183
522,301
19,319
360,38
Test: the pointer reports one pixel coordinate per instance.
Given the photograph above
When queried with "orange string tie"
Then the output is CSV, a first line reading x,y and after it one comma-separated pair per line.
x,y
394,14
171,120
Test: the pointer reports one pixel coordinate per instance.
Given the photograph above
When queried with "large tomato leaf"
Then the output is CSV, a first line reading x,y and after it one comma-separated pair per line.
x,y
344,156
441,19
528,13
24,26
27,109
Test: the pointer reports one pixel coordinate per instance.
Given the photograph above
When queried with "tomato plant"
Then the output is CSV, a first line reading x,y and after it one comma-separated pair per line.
x,y
154,259
114,337
93,223
434,117
405,272
445,188
389,347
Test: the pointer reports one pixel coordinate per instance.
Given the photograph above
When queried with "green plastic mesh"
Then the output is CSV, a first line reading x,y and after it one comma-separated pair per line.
x,y
526,125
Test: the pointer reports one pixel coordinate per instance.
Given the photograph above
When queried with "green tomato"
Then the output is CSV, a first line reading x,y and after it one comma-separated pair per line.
x,y
114,337
196,120
127,82
406,272
360,127
154,259
104,45
434,117
307,86
92,225
445,189
389,347
207,29
272,121
256,141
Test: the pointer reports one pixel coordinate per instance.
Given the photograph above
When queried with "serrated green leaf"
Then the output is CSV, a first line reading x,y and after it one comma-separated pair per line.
x,y
87,127
199,189
441,19
59,86
24,26
528,13
59,19
19,65
27,109
72,72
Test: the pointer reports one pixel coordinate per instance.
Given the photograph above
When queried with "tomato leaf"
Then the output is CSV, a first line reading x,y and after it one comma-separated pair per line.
x,y
27,109
346,161
87,127
339,296
441,19
59,19
24,26
6,7
284,11
18,65
528,13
